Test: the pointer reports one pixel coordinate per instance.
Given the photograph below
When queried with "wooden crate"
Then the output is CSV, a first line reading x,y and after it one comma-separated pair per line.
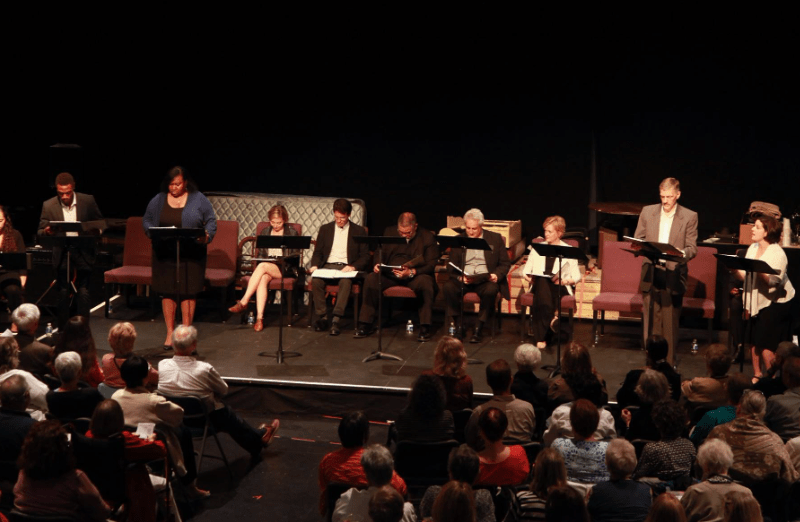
x,y
510,230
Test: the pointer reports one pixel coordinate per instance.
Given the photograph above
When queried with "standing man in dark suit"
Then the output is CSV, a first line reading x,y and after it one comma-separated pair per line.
x,y
69,205
665,283
487,271
417,259
337,250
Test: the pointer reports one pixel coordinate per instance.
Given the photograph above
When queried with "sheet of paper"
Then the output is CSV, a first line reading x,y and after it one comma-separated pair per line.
x,y
329,273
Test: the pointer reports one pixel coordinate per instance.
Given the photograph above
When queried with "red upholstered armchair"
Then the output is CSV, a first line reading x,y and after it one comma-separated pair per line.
x,y
619,283
136,266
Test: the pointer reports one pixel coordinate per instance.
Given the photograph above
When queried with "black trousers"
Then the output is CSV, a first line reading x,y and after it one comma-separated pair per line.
x,y
486,290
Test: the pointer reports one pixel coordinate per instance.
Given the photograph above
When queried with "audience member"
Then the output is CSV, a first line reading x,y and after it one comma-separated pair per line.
x,y
709,391
526,385
656,359
107,421
520,415
9,366
376,460
463,465
185,375
671,458
34,357
386,505
121,338
577,372
558,425
549,471
783,411
740,508
425,419
735,387
652,388
584,456
344,465
666,508
620,499
758,453
565,503
69,401
454,503
501,465
77,337
793,449
48,482
450,365
15,422
772,381
705,501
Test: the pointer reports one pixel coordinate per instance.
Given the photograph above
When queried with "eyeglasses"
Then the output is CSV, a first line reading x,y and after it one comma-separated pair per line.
x,y
752,390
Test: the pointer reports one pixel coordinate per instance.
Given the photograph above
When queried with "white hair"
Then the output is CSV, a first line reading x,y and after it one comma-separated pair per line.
x,y
715,457
68,366
25,316
474,213
184,337
527,357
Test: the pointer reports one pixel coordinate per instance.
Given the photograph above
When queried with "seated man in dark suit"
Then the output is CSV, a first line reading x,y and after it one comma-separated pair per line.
x,y
417,259
69,205
336,249
34,357
14,420
486,273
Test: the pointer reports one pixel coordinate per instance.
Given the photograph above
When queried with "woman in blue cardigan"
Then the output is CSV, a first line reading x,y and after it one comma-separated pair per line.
x,y
181,205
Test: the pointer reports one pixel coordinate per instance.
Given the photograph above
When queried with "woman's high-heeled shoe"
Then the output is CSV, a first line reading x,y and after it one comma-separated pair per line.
x,y
238,307
259,325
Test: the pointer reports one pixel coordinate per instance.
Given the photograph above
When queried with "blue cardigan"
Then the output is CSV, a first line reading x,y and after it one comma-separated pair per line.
x,y
197,213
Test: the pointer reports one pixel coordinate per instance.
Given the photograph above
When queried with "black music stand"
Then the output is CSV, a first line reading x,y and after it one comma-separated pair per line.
x,y
379,241
751,267
464,243
655,252
169,234
561,253
84,235
283,242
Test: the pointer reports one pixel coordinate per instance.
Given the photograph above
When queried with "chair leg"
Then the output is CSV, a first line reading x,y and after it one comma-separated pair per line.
x,y
222,453
202,447
108,298
571,324
594,325
522,323
602,322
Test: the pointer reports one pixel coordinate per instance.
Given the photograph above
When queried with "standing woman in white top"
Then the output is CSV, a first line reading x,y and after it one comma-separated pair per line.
x,y
768,300
542,273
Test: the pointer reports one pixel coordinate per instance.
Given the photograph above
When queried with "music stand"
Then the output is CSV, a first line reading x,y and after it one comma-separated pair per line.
x,y
283,242
561,253
379,241
66,235
168,234
751,267
655,252
464,243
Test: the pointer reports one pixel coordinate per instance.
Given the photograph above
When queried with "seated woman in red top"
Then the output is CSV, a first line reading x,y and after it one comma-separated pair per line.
x,y
121,338
48,482
77,337
108,421
500,465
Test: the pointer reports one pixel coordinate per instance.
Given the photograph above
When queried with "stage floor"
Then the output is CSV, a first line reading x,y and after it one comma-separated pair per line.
x,y
328,362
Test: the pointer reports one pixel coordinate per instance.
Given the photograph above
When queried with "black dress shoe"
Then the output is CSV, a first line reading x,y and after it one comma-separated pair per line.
x,y
364,330
335,328
478,335
424,333
321,325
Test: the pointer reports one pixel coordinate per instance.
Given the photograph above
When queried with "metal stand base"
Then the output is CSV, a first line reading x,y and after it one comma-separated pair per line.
x,y
381,355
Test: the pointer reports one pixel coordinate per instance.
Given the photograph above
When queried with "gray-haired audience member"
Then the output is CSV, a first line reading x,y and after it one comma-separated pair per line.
x,y
378,467
759,454
34,357
14,420
620,498
526,385
69,401
705,501
463,465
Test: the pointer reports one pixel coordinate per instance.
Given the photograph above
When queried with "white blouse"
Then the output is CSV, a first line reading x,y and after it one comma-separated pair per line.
x,y
764,295
569,267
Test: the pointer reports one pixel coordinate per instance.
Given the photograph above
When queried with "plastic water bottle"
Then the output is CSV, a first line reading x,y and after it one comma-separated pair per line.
x,y
452,330
49,329
695,347
409,327
251,319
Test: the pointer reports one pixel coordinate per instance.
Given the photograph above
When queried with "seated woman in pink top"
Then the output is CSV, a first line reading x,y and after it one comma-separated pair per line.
x,y
500,465
121,338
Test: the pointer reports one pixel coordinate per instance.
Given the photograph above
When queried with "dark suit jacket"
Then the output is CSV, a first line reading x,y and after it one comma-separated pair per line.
x,y
34,357
682,235
424,244
497,261
87,211
357,254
